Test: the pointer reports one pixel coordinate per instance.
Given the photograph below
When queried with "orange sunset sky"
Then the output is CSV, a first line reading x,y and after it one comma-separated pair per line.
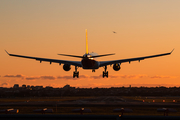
x,y
44,28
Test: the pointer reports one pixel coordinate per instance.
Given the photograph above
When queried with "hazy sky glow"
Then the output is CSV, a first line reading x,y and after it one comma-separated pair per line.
x,y
44,28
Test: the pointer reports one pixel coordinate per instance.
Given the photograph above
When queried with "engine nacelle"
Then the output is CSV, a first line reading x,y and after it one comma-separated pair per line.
x,y
66,67
116,67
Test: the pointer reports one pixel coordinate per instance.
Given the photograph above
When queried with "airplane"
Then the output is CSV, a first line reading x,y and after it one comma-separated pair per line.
x,y
89,62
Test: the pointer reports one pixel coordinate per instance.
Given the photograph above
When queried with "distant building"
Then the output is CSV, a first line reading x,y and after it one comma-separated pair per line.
x,y
38,87
66,87
16,86
24,86
28,86
49,87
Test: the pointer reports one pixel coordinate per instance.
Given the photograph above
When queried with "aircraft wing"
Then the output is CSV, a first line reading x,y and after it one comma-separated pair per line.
x,y
104,63
75,63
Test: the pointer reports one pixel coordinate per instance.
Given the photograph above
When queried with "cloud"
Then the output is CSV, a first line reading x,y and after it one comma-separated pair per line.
x,y
95,77
161,76
41,77
5,84
139,76
133,76
65,77
121,76
84,76
32,78
48,77
113,76
19,76
16,76
70,77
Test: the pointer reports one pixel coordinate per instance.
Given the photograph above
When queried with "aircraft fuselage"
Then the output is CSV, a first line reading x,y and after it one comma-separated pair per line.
x,y
88,62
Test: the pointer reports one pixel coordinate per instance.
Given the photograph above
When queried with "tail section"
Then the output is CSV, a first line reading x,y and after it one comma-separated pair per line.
x,y
87,52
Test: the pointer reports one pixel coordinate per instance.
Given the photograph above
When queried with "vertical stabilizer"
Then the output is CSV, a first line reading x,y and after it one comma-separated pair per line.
x,y
86,43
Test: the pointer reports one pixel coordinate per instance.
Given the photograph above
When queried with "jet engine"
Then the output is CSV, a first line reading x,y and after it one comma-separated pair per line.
x,y
66,67
116,67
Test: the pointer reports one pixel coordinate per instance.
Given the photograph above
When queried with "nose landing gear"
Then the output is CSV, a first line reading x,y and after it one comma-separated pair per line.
x,y
76,73
105,73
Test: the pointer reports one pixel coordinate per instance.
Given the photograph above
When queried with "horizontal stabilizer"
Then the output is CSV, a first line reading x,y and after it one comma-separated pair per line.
x,y
103,55
71,55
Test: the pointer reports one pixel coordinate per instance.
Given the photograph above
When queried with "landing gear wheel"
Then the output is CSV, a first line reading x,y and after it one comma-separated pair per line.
x,y
76,73
105,74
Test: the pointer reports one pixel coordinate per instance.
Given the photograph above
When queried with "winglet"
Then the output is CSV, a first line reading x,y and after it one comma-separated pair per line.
x,y
7,52
171,51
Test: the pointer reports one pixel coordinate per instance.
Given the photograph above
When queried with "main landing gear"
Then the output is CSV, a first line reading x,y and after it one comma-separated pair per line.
x,y
76,73
105,73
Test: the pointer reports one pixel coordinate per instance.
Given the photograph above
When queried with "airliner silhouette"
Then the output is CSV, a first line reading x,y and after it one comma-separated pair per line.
x,y
89,62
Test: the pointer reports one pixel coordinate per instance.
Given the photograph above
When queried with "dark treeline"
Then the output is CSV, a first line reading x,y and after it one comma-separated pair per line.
x,y
72,91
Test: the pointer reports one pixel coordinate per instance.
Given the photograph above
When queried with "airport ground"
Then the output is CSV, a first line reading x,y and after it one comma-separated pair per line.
x,y
103,105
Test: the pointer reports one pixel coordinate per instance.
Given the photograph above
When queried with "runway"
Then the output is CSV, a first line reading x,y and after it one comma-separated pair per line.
x,y
94,101
85,117
99,105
